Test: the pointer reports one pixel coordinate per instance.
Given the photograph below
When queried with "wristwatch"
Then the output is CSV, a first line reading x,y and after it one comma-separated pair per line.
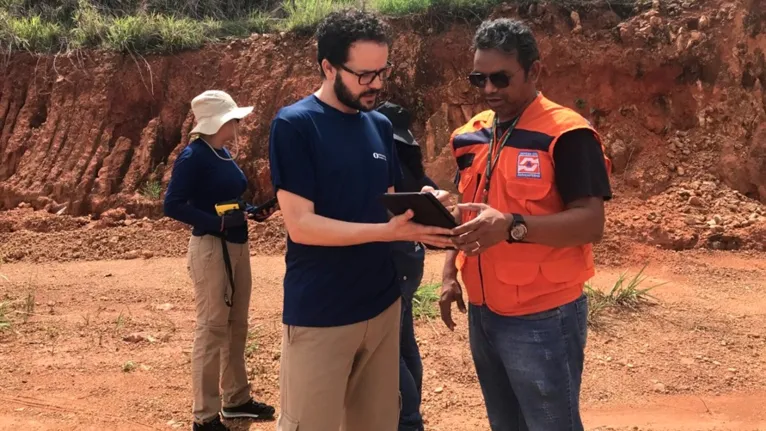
x,y
517,231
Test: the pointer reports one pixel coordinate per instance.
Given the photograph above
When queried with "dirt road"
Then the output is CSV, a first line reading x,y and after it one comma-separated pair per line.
x,y
694,361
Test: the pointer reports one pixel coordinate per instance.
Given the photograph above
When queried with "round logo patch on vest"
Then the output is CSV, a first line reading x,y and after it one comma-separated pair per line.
x,y
528,165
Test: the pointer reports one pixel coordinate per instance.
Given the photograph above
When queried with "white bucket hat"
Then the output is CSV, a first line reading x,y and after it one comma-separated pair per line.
x,y
212,109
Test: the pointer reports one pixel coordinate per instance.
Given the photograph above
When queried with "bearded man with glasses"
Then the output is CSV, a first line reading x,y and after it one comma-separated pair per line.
x,y
533,179
332,157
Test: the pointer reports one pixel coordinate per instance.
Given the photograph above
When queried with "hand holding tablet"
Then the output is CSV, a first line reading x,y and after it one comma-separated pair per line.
x,y
425,205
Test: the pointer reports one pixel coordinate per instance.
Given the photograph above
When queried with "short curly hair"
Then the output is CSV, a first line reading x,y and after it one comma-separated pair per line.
x,y
510,36
340,29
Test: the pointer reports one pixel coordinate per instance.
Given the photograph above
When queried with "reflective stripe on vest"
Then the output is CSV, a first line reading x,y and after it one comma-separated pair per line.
x,y
518,279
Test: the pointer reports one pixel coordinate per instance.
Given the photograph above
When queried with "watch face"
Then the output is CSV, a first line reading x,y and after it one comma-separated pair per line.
x,y
519,232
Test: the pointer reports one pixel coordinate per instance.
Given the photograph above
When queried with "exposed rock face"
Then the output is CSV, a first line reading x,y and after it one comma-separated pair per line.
x,y
90,132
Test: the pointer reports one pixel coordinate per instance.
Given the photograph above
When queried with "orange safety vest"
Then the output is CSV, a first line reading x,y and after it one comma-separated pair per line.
x,y
520,278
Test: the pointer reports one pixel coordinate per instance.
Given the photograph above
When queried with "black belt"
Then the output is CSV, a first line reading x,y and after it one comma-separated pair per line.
x,y
229,273
227,265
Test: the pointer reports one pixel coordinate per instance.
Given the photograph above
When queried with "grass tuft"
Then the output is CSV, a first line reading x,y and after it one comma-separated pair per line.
x,y
256,22
155,33
29,306
625,294
304,15
180,34
252,343
424,302
152,190
133,33
401,7
90,27
31,33
5,322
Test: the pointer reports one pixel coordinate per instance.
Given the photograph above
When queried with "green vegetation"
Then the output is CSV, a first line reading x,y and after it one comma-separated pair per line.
x,y
425,301
304,15
141,33
621,296
625,294
11,307
252,343
167,26
401,7
5,322
30,33
29,306
152,190
128,366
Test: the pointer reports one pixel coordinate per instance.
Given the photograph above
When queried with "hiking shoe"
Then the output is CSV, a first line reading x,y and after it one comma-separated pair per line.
x,y
251,409
213,425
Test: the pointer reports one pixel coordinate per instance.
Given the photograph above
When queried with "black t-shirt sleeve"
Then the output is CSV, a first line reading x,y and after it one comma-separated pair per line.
x,y
580,168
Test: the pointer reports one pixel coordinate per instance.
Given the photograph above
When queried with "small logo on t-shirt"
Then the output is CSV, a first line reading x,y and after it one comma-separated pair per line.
x,y
379,156
528,165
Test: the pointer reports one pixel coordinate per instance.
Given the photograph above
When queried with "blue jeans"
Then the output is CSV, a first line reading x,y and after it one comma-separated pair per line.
x,y
530,367
410,365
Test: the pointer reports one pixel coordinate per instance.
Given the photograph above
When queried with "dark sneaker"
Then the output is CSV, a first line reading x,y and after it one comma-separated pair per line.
x,y
251,409
213,425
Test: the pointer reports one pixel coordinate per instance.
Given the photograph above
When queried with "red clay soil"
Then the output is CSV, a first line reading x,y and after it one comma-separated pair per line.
x,y
105,346
37,236
676,90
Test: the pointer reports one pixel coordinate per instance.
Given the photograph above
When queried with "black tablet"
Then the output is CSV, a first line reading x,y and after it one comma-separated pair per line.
x,y
428,210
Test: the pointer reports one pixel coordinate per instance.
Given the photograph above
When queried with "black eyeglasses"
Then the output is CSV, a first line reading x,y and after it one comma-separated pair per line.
x,y
498,79
366,78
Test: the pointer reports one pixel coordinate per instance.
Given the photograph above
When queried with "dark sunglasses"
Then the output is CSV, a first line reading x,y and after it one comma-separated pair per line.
x,y
366,78
498,79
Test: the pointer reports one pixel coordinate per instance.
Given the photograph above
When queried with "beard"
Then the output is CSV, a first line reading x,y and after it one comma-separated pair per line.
x,y
347,98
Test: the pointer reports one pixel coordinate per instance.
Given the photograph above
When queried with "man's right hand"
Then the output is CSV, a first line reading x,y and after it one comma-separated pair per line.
x,y
451,292
401,228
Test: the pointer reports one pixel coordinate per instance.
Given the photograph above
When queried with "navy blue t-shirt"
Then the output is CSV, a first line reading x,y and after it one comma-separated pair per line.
x,y
200,179
343,163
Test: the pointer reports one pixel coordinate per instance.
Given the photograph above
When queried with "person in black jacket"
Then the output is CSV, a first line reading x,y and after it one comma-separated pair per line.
x,y
408,258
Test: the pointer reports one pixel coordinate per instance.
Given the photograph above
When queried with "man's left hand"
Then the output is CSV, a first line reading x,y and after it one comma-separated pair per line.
x,y
490,227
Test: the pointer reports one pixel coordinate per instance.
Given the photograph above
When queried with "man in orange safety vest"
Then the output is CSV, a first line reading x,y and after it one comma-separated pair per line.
x,y
533,179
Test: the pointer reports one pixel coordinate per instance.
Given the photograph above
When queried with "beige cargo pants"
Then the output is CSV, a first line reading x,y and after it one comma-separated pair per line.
x,y
344,377
218,355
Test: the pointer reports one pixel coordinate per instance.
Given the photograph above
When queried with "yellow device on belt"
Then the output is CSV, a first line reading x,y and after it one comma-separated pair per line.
x,y
225,207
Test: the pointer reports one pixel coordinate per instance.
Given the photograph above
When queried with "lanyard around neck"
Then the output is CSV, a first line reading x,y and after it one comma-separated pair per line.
x,y
491,164
230,159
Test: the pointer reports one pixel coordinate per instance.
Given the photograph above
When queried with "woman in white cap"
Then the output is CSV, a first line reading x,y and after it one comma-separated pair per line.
x,y
205,175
